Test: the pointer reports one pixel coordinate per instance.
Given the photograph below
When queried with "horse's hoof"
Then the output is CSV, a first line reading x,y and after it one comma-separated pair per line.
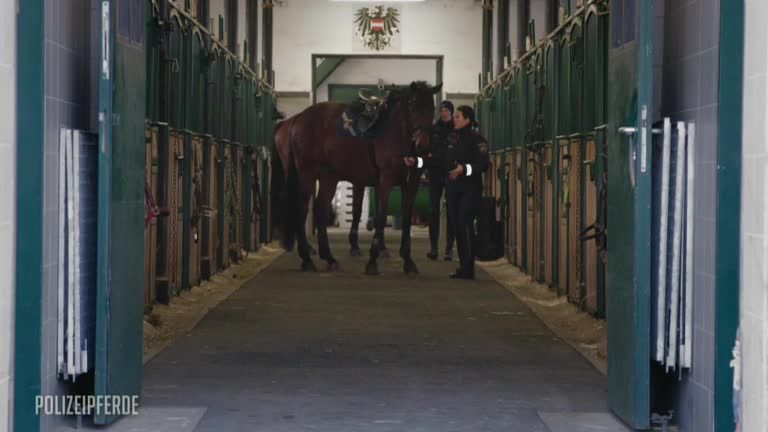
x,y
332,266
372,269
308,266
355,252
409,268
384,253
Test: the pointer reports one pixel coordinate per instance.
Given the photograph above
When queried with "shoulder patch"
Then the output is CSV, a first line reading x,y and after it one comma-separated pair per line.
x,y
483,147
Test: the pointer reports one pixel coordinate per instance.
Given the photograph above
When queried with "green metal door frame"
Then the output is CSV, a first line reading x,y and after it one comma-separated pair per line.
x,y
314,65
728,253
326,67
29,213
334,89
487,42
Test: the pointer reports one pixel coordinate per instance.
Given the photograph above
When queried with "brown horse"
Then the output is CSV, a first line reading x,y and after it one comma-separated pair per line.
x,y
282,146
318,153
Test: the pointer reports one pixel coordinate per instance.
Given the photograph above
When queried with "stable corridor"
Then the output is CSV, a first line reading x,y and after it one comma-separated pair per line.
x,y
294,351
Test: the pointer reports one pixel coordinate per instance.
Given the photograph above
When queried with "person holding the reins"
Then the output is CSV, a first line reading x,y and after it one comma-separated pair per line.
x,y
467,158
438,177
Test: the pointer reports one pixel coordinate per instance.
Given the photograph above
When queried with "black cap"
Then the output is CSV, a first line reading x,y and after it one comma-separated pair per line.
x,y
447,105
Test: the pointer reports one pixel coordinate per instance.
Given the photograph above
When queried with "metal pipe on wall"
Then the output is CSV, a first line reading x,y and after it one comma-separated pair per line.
x,y
550,12
267,49
502,34
253,32
163,288
201,11
233,13
523,11
231,26
487,38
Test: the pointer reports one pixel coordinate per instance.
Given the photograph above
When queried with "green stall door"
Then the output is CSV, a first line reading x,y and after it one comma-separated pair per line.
x,y
122,113
629,210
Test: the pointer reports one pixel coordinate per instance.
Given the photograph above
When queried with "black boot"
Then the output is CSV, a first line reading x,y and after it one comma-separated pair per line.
x,y
460,275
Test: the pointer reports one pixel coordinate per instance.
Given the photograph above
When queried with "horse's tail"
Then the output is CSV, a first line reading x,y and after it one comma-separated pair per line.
x,y
277,183
285,201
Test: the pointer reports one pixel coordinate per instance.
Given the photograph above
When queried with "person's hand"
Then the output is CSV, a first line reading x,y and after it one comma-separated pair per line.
x,y
409,161
456,172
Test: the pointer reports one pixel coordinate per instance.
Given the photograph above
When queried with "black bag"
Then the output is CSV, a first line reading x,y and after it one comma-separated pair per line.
x,y
489,242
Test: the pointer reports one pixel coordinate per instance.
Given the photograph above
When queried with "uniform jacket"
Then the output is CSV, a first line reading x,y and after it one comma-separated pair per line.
x,y
435,160
467,148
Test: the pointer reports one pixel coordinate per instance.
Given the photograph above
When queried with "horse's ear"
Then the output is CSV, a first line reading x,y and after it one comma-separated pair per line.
x,y
437,88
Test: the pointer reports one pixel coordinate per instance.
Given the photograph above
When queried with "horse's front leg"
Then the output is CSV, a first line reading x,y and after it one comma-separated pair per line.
x,y
410,188
322,213
382,197
357,211
358,193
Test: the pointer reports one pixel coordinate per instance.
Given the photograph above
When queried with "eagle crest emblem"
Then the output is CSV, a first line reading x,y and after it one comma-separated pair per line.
x,y
377,26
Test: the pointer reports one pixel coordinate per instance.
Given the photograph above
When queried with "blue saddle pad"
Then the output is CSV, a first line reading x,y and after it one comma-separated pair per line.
x,y
357,124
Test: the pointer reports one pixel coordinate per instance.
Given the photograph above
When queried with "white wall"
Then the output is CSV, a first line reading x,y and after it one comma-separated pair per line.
x,y
754,220
242,27
539,15
514,31
218,8
452,28
7,203
291,105
369,71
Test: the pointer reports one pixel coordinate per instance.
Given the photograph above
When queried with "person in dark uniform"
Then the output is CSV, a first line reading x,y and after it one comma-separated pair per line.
x,y
438,176
467,158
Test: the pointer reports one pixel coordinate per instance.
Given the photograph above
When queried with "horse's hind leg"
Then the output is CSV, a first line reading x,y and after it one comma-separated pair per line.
x,y
358,193
322,207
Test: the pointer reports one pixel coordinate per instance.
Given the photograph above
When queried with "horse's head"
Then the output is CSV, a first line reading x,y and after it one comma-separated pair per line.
x,y
418,104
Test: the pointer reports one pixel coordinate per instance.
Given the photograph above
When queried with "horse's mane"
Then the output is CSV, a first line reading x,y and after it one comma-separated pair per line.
x,y
416,87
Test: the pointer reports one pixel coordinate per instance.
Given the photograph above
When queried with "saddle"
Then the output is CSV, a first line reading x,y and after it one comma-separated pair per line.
x,y
362,117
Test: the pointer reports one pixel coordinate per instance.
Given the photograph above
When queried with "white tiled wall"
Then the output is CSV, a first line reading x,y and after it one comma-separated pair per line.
x,y
7,203
69,92
754,220
686,72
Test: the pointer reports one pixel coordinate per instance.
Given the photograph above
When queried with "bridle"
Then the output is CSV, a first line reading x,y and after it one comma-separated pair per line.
x,y
414,130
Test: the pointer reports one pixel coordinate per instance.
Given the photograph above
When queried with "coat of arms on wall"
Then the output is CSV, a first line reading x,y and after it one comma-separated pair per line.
x,y
377,26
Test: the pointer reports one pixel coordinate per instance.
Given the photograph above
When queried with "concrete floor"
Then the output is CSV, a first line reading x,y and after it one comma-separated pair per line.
x,y
340,352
